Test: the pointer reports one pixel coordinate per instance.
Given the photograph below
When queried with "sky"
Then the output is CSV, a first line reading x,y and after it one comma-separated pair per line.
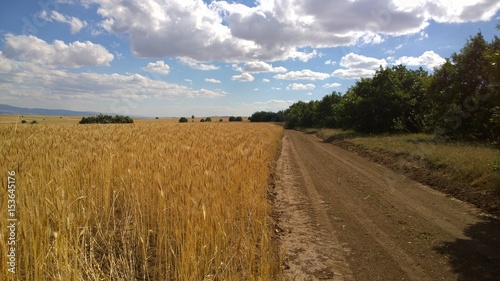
x,y
172,58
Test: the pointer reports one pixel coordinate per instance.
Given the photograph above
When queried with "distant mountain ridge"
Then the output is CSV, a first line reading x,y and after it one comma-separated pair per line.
x,y
10,110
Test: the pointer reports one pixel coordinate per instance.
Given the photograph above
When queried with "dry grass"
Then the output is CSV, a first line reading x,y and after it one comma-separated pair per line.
x,y
176,120
467,162
41,119
140,201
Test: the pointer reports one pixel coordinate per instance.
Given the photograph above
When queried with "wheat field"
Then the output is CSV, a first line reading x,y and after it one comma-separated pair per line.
x,y
139,201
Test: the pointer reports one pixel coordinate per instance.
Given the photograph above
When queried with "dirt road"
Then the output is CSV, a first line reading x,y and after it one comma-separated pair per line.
x,y
342,217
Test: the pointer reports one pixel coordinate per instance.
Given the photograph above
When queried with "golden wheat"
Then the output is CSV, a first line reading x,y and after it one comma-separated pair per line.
x,y
140,201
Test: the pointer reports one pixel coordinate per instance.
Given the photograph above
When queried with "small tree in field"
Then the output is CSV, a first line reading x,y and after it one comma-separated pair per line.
x,y
183,120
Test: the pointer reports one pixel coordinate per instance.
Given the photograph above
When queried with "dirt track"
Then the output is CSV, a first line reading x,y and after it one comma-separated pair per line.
x,y
342,217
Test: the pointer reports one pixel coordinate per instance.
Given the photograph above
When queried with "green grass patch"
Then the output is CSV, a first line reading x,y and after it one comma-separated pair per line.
x,y
473,163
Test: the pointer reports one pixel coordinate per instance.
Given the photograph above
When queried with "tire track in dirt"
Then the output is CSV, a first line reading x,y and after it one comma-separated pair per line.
x,y
346,218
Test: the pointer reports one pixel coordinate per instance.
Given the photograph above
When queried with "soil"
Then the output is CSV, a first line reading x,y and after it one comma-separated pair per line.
x,y
344,217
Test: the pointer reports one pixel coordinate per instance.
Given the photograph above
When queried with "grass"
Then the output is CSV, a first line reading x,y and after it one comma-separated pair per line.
x,y
40,119
162,201
472,163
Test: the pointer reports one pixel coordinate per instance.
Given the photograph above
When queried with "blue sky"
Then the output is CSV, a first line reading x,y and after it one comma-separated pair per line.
x,y
178,57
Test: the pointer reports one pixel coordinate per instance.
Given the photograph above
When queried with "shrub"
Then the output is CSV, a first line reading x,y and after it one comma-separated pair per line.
x,y
235,119
208,119
183,120
34,122
106,119
24,121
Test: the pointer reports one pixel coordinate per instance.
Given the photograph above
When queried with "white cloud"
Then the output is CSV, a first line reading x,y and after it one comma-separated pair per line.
x,y
429,59
298,87
76,54
303,56
75,23
423,35
189,81
158,67
309,94
259,66
25,81
266,80
352,60
305,74
244,77
197,65
358,66
353,73
211,80
330,62
371,38
272,105
273,30
332,85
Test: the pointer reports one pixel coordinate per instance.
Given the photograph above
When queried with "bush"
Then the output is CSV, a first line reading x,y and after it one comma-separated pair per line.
x,y
220,120
183,120
208,119
235,119
106,119
24,121
34,122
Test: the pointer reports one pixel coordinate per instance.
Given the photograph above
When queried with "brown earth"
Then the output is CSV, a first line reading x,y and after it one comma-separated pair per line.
x,y
343,217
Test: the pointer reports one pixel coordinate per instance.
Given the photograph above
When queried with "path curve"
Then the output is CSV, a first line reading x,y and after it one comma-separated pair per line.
x,y
343,217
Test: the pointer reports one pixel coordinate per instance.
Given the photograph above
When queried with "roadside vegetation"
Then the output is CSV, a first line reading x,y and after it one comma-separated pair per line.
x,y
475,164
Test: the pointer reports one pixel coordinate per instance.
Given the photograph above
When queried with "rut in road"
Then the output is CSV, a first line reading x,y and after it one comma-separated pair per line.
x,y
344,217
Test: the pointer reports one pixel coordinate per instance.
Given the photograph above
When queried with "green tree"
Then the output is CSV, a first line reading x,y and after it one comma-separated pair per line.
x,y
393,99
267,116
300,115
325,114
106,119
183,120
465,91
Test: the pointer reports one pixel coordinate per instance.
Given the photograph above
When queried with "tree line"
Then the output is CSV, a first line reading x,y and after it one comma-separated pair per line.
x,y
460,100
106,119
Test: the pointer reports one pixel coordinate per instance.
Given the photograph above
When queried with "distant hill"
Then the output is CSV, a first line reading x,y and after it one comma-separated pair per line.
x,y
10,110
